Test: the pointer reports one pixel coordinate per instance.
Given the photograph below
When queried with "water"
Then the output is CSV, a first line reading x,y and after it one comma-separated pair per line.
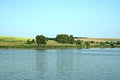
x,y
66,64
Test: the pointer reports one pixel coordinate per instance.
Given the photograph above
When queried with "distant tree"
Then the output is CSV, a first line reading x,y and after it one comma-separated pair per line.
x,y
102,44
118,42
79,42
33,41
87,44
107,42
112,44
71,39
92,41
40,39
28,41
62,38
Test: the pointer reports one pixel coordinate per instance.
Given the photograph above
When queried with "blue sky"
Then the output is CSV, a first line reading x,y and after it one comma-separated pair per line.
x,y
87,18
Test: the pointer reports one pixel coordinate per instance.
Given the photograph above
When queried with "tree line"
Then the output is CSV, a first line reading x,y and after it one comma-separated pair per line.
x,y
60,38
70,39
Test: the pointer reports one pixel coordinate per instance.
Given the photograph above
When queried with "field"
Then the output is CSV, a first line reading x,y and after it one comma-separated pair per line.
x,y
9,40
98,39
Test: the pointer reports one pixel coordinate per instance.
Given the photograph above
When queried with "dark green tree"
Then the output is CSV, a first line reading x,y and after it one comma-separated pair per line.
x,y
118,42
40,39
33,41
28,41
92,41
79,42
112,44
71,39
62,38
107,42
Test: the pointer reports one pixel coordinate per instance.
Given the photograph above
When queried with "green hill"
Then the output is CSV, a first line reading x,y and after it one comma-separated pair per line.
x,y
9,40
12,39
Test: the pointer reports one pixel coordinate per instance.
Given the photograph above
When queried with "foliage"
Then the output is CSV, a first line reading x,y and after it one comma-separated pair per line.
x,y
40,39
112,44
79,42
30,41
118,42
64,38
92,41
33,41
102,44
87,44
71,39
40,42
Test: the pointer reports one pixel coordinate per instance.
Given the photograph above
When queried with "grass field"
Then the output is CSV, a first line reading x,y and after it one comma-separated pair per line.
x,y
9,40
99,39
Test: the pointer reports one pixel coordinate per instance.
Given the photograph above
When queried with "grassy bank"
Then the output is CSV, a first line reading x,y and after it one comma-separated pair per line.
x,y
41,46
20,43
49,46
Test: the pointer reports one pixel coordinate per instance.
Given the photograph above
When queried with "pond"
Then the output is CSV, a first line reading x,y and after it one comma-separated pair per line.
x,y
60,64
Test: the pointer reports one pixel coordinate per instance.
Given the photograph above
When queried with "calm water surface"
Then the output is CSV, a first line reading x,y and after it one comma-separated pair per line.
x,y
66,64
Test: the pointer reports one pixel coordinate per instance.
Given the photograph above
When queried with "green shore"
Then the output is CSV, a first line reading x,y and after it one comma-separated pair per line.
x,y
45,46
7,42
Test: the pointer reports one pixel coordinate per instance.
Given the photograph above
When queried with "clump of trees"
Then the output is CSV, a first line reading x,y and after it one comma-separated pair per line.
x,y
64,38
78,42
40,39
30,41
87,44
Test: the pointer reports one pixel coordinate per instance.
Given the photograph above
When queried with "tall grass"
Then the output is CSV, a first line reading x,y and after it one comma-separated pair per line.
x,y
45,46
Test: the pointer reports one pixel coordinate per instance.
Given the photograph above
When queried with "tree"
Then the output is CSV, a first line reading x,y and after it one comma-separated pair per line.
x,y
64,38
33,41
40,39
92,41
79,42
112,44
71,39
87,44
28,41
102,44
118,43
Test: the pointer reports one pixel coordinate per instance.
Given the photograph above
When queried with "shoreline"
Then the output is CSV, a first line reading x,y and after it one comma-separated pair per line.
x,y
49,46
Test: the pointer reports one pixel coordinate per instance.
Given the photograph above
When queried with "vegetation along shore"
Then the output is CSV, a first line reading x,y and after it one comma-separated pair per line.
x,y
61,41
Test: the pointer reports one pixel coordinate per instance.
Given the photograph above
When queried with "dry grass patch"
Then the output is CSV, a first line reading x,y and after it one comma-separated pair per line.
x,y
99,39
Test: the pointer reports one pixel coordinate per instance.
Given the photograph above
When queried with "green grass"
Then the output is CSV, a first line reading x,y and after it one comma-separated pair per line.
x,y
12,39
9,40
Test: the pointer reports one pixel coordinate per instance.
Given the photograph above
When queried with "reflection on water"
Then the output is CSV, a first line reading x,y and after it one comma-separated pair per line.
x,y
75,64
54,66
17,65
78,64
46,64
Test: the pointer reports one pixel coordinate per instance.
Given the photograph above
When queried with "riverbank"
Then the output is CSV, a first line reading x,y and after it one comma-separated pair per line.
x,y
21,43
48,46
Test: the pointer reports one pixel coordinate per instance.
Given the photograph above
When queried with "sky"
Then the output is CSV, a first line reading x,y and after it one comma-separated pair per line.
x,y
81,18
